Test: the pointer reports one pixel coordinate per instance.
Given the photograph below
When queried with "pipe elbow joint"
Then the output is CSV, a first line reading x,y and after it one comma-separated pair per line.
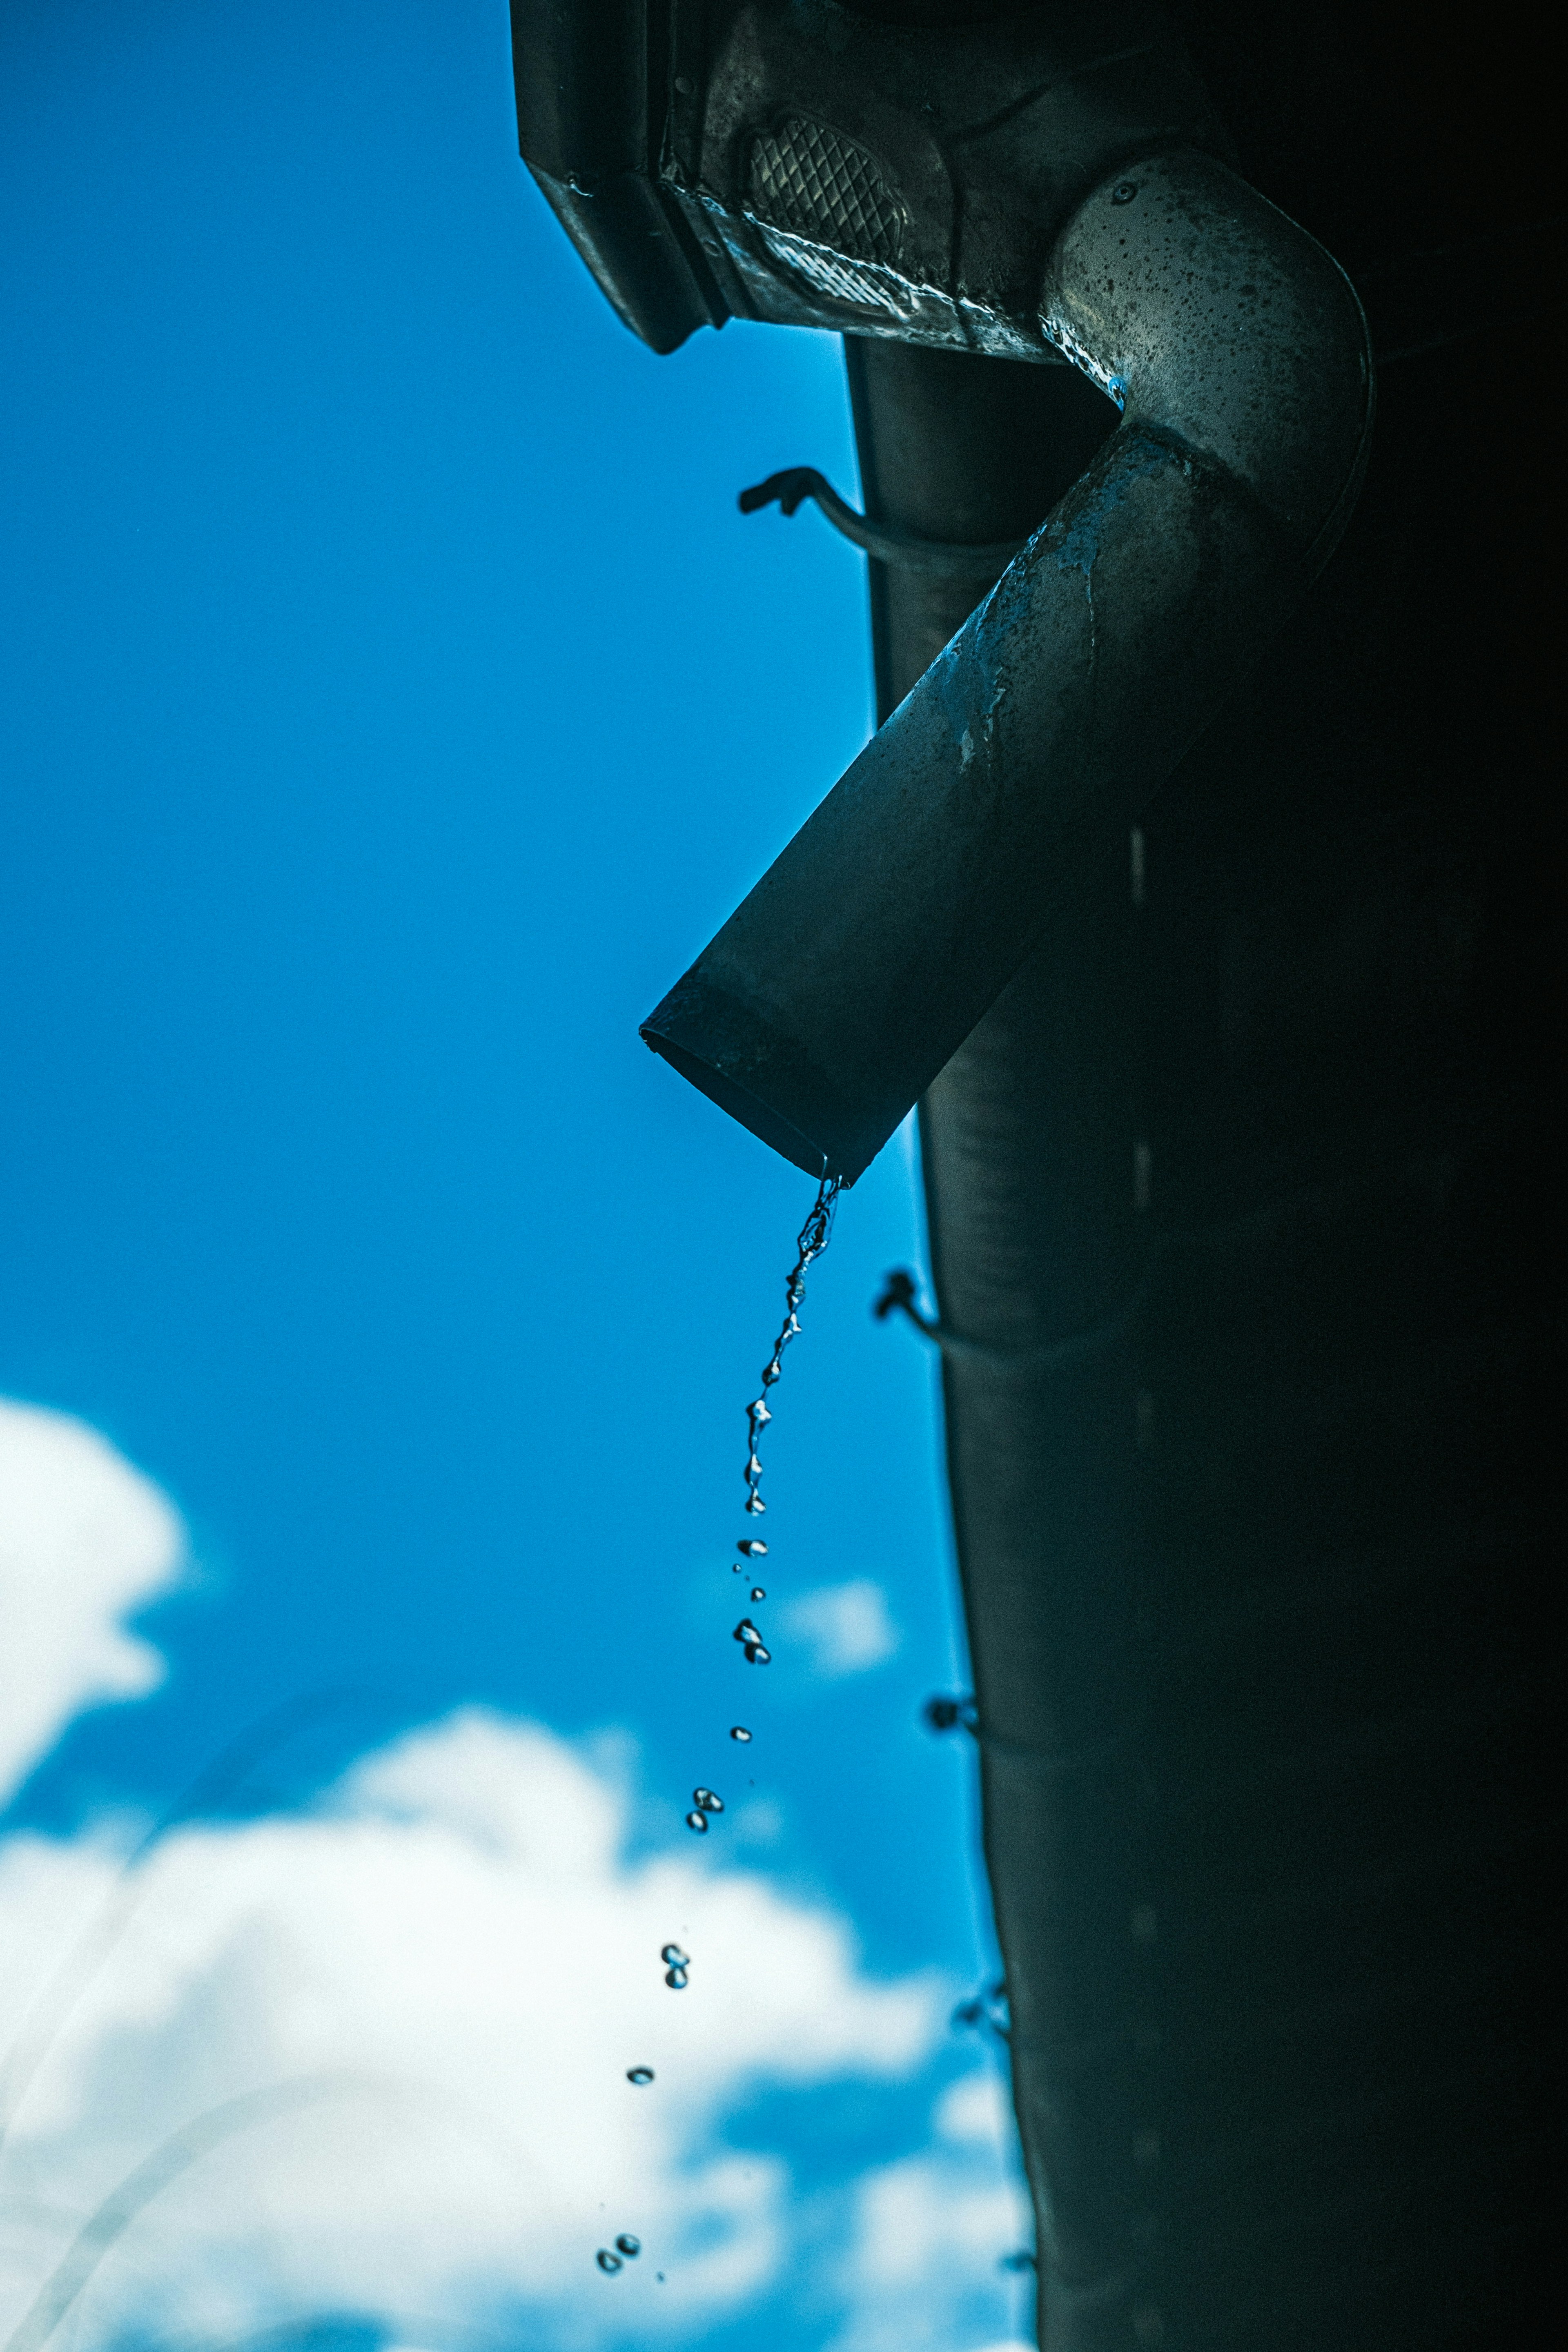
x,y
1210,318
1238,353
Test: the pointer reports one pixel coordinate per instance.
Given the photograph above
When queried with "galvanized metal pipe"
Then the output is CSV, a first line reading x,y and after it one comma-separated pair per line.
x,y
1238,354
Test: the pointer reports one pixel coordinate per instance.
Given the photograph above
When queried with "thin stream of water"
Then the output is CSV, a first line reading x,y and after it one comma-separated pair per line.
x,y
812,1240
810,1243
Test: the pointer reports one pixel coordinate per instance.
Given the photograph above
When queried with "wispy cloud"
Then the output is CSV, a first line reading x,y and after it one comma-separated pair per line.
x,y
846,1627
84,1542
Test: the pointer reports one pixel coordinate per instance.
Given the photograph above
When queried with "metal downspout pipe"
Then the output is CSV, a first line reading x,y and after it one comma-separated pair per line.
x,y
1024,1146
1237,353
1256,1550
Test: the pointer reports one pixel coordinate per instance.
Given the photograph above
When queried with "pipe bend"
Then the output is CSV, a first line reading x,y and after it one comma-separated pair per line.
x,y
1209,317
891,922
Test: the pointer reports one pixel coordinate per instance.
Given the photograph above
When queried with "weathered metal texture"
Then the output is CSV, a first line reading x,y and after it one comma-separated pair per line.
x,y
591,85
913,180
1241,1218
820,166
882,933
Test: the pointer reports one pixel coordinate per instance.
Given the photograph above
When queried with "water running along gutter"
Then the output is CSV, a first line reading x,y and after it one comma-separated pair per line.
x,y
1237,353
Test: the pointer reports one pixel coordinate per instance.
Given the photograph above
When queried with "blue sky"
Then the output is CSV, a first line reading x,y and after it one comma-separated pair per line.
x,y
395,702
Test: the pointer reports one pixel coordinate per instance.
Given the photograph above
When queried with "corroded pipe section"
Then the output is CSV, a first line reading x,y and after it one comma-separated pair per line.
x,y
1238,352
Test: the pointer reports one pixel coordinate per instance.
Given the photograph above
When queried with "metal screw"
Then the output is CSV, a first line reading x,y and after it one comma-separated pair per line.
x,y
1122,194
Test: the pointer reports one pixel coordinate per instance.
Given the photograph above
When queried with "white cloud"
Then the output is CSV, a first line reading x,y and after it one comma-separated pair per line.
x,y
921,2217
977,2111
458,1941
84,1540
407,2015
846,1626
924,2273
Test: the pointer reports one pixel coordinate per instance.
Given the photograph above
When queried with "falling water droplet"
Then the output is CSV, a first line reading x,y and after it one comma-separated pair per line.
x,y
812,1240
675,1979
697,1821
707,1801
629,2245
755,1656
745,1631
757,1592
639,2076
674,1957
739,1731
752,1546
606,2261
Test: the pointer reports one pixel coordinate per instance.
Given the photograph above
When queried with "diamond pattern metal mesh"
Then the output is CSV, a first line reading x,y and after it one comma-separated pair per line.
x,y
867,285
807,179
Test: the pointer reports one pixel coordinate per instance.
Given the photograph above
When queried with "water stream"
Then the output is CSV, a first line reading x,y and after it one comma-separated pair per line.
x,y
810,1243
706,1803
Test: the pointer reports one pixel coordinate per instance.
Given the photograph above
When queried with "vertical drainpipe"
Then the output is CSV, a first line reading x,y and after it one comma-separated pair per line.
x,y
953,449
